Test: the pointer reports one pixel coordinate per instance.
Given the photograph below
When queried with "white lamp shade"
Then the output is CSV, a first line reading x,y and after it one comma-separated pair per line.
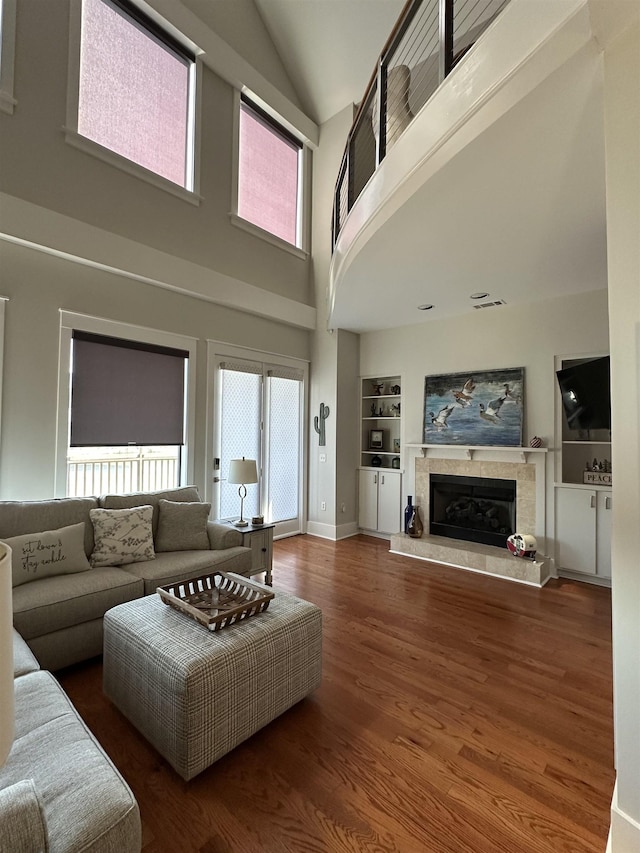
x,y
243,471
6,655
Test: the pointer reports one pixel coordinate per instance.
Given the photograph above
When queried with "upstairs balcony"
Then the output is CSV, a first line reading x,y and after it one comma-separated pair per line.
x,y
474,163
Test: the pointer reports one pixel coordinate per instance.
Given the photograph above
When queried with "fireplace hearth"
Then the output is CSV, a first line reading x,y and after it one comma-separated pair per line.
x,y
473,509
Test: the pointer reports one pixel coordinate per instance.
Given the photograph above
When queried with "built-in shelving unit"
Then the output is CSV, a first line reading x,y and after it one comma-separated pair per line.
x,y
381,422
579,448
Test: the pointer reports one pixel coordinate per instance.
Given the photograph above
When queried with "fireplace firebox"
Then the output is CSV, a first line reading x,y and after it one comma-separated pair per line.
x,y
475,509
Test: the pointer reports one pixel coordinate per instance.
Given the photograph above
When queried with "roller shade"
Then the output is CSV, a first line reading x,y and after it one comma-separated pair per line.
x,y
126,392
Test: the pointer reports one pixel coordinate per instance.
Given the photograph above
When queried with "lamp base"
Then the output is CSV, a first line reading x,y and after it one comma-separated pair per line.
x,y
240,523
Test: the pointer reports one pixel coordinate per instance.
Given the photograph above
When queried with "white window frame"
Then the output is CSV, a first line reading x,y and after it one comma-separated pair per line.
x,y
69,321
7,55
304,181
218,351
191,192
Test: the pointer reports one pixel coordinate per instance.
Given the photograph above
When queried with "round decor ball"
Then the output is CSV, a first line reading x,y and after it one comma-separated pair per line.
x,y
536,441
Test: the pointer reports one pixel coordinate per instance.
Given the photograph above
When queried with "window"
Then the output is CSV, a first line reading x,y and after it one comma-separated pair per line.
x,y
7,50
136,86
126,406
269,174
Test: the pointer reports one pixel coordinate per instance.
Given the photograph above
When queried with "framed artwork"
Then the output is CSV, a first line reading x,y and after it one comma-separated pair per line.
x,y
376,437
482,407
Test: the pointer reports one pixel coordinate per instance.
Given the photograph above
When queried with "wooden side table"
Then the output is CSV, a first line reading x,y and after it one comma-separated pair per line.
x,y
260,539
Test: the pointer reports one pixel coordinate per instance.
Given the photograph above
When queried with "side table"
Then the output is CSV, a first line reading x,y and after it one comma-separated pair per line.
x,y
260,539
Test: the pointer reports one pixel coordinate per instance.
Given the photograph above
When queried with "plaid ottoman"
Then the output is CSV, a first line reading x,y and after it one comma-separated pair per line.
x,y
195,694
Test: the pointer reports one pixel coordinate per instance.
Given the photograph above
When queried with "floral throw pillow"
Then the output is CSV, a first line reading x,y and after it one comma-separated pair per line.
x,y
122,536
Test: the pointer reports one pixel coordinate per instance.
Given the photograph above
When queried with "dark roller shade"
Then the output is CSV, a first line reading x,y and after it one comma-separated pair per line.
x,y
124,392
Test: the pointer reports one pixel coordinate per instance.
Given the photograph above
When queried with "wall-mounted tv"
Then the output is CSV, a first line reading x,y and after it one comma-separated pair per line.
x,y
586,394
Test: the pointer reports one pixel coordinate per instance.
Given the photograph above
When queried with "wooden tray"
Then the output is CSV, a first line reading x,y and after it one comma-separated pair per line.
x,y
216,600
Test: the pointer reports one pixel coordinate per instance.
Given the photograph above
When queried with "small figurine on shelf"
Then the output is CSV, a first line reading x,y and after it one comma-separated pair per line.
x,y
395,389
378,388
373,410
396,409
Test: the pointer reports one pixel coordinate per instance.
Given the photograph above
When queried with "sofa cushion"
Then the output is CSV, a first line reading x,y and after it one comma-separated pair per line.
x,y
24,660
22,826
184,493
122,536
86,803
170,567
66,600
182,526
52,552
18,517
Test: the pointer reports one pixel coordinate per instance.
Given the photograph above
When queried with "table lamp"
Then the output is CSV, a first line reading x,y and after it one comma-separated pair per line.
x,y
242,471
6,655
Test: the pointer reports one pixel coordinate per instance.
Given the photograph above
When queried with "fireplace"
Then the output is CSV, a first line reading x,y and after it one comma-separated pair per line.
x,y
474,509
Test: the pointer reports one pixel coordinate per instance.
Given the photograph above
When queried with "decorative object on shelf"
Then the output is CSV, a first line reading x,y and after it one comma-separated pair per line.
x,y
395,389
395,462
481,408
378,388
536,441
376,461
598,473
376,439
374,411
408,512
242,471
257,520
318,424
395,409
522,545
415,527
396,445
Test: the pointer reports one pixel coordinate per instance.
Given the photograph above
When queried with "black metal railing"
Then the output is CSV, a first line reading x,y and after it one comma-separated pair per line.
x,y
427,42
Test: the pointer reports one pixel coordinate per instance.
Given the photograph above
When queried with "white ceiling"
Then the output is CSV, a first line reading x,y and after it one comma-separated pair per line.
x,y
329,47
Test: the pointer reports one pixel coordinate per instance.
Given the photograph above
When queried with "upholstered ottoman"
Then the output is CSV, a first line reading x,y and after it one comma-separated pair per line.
x,y
195,694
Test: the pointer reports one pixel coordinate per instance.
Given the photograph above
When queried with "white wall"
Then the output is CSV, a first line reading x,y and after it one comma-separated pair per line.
x,y
622,133
485,339
39,166
38,286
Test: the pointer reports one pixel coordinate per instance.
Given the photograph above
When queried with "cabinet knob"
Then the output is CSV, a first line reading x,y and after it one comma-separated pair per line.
x,y
593,501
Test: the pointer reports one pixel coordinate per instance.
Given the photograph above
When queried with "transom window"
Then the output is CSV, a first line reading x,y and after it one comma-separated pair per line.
x,y
136,89
269,174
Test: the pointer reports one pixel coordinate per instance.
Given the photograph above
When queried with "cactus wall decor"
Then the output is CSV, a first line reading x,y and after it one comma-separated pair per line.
x,y
318,424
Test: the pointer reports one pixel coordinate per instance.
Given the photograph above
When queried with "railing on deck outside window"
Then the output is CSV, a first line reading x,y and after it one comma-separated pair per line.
x,y
135,470
429,39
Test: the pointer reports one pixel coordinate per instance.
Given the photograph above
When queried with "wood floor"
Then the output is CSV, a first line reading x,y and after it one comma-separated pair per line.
x,y
457,714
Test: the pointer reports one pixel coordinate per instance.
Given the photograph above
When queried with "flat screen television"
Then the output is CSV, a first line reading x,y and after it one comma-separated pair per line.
x,y
586,394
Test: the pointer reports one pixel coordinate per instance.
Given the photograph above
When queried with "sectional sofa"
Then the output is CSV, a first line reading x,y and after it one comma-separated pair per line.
x,y
100,552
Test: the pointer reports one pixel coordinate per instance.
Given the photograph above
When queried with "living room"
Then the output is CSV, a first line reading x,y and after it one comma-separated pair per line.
x,y
87,238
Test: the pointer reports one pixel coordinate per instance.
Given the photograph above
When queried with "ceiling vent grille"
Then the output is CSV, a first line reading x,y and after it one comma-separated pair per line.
x,y
493,304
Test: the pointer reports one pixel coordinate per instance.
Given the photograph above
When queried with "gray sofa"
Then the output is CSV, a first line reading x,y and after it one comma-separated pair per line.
x,y
59,791
60,617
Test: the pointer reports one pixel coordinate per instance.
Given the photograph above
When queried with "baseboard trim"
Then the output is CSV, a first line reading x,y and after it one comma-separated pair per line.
x,y
624,834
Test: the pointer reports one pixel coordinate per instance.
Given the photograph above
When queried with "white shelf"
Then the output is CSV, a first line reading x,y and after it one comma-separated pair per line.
x,y
468,450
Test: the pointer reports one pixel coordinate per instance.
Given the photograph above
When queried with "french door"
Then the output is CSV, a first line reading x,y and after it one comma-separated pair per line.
x,y
259,414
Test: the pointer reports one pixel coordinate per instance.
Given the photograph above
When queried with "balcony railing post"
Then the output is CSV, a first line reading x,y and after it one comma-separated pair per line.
x,y
446,38
381,118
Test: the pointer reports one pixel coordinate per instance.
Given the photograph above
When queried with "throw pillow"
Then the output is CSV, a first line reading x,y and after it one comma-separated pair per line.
x,y
182,526
122,536
52,552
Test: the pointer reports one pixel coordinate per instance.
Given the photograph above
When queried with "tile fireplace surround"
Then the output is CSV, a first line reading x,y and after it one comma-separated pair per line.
x,y
486,559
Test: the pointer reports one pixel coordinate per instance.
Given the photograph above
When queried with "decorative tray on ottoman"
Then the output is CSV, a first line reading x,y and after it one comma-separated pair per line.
x,y
216,600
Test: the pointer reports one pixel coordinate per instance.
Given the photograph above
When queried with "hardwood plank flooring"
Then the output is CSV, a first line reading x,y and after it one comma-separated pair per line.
x,y
457,714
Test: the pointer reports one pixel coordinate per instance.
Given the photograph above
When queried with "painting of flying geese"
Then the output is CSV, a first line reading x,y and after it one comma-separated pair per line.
x,y
480,407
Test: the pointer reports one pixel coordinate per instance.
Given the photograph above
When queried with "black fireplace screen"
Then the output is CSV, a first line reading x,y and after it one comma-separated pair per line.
x,y
475,509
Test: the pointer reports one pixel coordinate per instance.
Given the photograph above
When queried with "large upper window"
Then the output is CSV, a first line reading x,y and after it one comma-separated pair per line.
x,y
136,89
269,170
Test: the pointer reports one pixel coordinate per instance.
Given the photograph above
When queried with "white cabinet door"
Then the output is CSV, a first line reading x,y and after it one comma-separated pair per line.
x,y
389,502
576,530
368,500
603,534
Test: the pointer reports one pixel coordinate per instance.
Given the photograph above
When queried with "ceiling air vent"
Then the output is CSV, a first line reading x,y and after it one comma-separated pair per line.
x,y
493,304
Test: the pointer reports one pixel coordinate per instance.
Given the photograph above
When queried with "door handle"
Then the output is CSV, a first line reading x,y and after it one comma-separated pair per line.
x,y
607,503
375,479
593,501
382,481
